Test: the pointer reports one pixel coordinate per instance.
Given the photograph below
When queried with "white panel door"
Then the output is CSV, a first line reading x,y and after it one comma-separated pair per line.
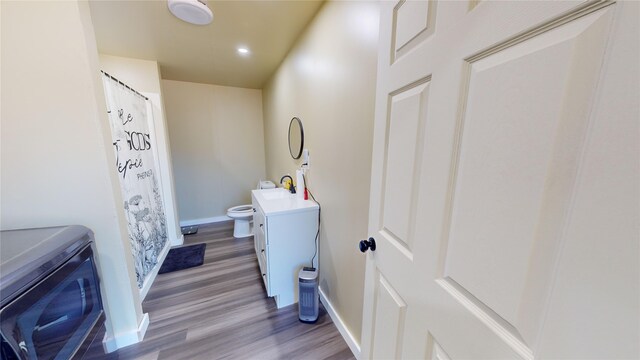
x,y
505,182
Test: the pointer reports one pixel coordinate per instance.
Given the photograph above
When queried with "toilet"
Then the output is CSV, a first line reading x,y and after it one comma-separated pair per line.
x,y
242,215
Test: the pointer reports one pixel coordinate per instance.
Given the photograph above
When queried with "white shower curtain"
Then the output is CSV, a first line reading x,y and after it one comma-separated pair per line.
x,y
130,122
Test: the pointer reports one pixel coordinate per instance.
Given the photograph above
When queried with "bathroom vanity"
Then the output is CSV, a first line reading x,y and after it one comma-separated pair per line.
x,y
284,228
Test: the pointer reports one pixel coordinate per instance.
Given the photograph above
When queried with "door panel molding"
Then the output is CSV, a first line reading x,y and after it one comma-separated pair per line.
x,y
398,243
576,13
550,200
571,15
418,19
402,161
390,310
502,328
473,4
437,352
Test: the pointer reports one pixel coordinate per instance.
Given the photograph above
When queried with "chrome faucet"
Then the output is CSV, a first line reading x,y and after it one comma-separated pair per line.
x,y
292,188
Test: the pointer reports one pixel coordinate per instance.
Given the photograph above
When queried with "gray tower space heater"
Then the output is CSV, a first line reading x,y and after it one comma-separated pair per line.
x,y
308,295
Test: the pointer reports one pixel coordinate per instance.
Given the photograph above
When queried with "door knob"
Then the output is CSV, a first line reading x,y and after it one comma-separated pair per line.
x,y
368,244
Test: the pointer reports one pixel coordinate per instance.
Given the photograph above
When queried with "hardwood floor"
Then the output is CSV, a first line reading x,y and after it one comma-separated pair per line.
x,y
220,311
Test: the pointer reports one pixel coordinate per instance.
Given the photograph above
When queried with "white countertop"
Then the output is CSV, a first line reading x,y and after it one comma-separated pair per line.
x,y
280,201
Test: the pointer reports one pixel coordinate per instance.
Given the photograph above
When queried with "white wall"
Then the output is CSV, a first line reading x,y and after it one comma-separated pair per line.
x,y
328,81
217,146
144,77
56,156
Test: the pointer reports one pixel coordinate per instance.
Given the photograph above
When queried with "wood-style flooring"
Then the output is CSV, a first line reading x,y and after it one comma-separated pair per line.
x,y
220,311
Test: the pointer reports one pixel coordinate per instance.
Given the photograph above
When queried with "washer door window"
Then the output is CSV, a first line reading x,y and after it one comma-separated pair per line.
x,y
52,319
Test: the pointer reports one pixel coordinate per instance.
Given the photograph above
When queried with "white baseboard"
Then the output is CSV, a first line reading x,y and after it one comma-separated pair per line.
x,y
129,338
342,328
205,220
177,241
152,275
144,325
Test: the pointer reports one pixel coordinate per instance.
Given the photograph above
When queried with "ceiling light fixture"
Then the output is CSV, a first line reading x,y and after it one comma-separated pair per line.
x,y
192,11
243,51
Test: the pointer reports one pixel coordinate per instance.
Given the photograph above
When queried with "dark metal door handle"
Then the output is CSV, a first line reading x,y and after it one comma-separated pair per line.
x,y
368,244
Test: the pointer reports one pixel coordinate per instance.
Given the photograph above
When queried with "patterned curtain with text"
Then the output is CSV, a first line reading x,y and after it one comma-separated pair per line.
x,y
129,116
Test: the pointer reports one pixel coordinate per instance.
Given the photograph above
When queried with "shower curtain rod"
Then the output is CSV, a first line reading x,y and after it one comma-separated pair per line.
x,y
123,84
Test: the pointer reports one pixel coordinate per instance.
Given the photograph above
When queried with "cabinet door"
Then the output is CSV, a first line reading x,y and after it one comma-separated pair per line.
x,y
260,244
258,227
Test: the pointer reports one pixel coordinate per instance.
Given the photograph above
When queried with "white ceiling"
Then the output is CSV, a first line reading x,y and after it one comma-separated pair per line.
x,y
204,54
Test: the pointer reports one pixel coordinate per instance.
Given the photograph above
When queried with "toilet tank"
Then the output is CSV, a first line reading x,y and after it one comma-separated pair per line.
x,y
266,184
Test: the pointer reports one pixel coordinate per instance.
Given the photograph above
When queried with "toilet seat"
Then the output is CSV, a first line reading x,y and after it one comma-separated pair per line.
x,y
241,210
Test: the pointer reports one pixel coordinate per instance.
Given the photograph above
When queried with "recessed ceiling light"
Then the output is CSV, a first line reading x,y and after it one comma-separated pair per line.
x,y
243,51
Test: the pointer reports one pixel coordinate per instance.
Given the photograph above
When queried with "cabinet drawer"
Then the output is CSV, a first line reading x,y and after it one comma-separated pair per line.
x,y
258,239
262,245
259,229
264,270
259,222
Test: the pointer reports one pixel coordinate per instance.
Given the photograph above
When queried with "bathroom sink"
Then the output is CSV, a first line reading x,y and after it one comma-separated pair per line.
x,y
280,201
275,194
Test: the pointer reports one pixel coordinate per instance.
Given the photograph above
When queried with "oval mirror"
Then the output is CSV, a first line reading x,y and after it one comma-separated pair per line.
x,y
296,138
